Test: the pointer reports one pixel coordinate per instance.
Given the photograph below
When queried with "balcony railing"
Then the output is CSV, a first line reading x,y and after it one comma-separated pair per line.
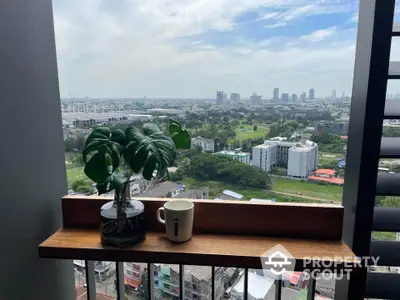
x,y
226,233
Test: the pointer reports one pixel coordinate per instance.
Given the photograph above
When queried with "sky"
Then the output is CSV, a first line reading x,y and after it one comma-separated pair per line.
x,y
192,48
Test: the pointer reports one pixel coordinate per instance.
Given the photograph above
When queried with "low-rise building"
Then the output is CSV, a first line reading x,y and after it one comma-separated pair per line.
x,y
327,176
169,189
197,281
204,143
244,157
258,287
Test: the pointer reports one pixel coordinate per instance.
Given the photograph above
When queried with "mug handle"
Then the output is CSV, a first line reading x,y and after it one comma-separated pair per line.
x,y
161,220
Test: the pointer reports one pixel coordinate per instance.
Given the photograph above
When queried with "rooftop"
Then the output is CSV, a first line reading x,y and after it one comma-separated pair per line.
x,y
325,172
258,285
161,189
199,272
232,194
237,153
201,139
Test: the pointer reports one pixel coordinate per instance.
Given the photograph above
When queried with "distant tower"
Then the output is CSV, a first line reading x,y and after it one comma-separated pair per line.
x,y
333,98
235,98
276,94
311,94
220,97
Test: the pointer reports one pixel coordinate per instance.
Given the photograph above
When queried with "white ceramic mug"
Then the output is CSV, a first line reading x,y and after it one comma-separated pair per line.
x,y
178,219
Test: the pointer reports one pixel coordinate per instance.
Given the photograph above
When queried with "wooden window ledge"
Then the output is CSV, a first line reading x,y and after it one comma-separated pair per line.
x,y
202,249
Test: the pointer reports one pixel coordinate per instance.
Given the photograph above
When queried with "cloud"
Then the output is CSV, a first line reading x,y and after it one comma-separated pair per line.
x,y
354,18
319,35
132,48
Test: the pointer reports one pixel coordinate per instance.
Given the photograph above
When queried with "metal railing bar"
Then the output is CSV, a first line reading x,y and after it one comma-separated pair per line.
x,y
120,280
181,282
150,281
246,284
311,288
90,280
278,289
212,283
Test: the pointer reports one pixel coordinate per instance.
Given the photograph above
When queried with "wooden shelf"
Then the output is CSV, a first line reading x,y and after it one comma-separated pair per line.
x,y
204,249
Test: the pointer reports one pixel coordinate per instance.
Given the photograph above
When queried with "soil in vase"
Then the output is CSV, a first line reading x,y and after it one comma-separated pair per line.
x,y
128,229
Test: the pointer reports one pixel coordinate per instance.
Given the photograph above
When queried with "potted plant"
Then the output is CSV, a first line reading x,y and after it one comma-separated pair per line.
x,y
112,157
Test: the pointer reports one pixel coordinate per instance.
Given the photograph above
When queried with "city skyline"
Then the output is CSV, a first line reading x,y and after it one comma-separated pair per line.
x,y
186,49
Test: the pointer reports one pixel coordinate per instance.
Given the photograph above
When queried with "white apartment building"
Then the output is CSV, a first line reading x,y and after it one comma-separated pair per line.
x,y
265,156
300,159
303,159
204,143
244,157
283,147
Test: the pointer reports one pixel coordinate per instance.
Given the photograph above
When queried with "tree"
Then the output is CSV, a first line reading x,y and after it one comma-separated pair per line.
x,y
204,166
75,143
395,168
274,130
77,160
255,127
391,202
83,186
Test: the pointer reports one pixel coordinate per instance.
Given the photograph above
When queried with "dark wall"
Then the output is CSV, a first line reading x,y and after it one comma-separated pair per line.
x,y
32,169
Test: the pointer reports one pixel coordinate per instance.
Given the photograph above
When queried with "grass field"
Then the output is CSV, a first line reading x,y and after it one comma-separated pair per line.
x,y
74,174
309,189
217,187
246,132
384,236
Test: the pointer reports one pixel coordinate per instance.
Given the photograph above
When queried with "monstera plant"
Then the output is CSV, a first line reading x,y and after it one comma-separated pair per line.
x,y
112,157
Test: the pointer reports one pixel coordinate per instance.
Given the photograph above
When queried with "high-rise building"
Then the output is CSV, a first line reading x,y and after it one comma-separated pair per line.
x,y
303,159
312,94
235,98
220,97
276,94
255,100
303,96
294,97
265,156
285,97
333,97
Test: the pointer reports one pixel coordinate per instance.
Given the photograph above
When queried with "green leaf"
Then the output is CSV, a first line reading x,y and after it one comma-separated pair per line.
x,y
118,136
101,155
98,133
99,166
115,181
182,139
149,151
149,167
173,127
150,128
